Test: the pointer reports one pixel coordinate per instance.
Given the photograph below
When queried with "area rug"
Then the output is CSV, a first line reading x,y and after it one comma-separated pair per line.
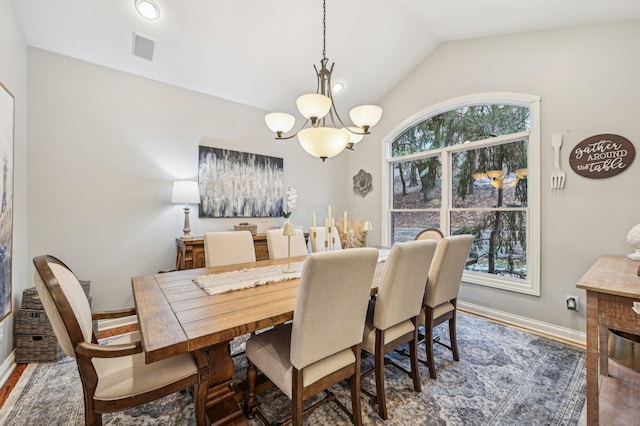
x,y
505,376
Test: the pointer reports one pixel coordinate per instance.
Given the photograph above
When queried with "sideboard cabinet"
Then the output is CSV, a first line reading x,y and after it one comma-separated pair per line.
x,y
191,252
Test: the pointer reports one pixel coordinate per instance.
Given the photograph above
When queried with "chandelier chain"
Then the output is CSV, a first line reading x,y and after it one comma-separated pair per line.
x,y
324,29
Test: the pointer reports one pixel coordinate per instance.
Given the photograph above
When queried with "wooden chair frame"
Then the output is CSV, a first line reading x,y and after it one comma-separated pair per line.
x,y
438,233
85,351
430,323
380,351
301,393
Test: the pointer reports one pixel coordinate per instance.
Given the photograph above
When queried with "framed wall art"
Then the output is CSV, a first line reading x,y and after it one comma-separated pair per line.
x,y
6,200
239,184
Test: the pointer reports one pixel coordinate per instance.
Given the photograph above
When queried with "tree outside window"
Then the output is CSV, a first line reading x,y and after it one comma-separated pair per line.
x,y
466,170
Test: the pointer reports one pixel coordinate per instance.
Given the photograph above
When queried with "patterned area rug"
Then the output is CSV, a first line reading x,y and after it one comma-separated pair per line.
x,y
505,376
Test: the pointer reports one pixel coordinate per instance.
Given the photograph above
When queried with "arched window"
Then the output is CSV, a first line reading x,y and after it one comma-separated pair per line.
x,y
470,165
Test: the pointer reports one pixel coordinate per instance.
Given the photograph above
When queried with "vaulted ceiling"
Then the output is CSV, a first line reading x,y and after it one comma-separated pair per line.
x,y
261,52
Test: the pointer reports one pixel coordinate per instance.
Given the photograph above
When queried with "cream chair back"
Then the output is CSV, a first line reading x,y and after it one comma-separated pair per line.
x,y
317,244
228,248
331,305
278,244
60,290
447,268
403,283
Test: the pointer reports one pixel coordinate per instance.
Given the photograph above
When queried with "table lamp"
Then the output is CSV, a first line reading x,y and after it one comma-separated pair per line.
x,y
186,192
366,228
288,232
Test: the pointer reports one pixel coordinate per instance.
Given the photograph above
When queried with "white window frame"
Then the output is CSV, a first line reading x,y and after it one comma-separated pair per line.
x,y
530,285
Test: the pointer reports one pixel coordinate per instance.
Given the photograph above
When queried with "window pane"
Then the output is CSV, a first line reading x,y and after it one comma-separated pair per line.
x,y
494,176
499,246
406,225
471,123
417,184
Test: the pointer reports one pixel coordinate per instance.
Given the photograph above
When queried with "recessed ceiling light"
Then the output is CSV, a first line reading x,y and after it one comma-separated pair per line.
x,y
148,9
337,87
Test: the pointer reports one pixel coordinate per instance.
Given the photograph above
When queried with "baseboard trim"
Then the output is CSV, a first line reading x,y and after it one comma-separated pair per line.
x,y
7,367
563,333
110,324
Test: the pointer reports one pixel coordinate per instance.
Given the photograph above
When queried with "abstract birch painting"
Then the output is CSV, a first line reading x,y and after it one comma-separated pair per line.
x,y
239,184
6,200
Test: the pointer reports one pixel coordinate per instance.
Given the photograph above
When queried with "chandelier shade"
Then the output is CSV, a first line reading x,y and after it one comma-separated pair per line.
x,y
366,116
323,142
328,135
354,135
313,106
280,122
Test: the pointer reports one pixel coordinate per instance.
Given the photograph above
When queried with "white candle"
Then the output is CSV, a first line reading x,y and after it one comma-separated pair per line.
x,y
326,230
345,222
314,220
329,212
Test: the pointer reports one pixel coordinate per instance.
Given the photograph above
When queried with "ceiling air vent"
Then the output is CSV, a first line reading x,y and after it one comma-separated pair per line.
x,y
143,47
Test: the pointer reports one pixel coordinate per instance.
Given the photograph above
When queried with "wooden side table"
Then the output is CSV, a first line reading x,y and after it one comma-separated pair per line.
x,y
613,391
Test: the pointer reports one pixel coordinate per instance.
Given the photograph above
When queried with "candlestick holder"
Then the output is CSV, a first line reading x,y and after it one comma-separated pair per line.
x,y
288,232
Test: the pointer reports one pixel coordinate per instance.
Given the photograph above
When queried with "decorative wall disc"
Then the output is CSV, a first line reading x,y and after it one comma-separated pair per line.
x,y
362,183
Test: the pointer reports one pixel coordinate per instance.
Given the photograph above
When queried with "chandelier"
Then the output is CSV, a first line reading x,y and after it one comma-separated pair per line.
x,y
327,136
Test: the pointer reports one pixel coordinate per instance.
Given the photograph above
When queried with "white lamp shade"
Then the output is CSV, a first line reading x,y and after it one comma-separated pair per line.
x,y
313,105
279,122
366,115
185,192
323,142
367,226
355,135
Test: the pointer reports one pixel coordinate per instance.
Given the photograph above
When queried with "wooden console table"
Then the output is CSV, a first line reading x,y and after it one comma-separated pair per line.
x,y
613,391
191,252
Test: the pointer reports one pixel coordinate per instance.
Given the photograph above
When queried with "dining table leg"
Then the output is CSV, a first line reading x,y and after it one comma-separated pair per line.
x,y
221,406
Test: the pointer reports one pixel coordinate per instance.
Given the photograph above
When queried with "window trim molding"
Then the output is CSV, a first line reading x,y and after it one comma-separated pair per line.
x,y
534,179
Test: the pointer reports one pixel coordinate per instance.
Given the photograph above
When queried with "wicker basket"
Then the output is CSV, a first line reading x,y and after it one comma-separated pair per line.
x,y
32,321
37,348
246,227
35,339
31,298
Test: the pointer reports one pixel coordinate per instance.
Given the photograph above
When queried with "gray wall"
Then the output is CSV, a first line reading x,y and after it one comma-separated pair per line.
x,y
104,148
13,75
589,84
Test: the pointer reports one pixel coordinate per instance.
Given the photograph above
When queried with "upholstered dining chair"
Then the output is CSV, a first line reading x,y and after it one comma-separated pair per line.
x,y
114,376
228,248
392,318
430,234
440,301
317,244
278,244
321,347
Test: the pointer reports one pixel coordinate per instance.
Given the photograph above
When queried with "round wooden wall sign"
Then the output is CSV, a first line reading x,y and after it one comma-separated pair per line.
x,y
602,156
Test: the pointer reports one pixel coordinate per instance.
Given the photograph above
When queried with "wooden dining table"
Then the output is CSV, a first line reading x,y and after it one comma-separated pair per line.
x,y
176,316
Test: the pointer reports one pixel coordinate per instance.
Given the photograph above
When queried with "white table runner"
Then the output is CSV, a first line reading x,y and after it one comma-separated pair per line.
x,y
224,282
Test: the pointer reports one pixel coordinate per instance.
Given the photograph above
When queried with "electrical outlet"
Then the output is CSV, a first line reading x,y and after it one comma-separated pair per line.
x,y
573,303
